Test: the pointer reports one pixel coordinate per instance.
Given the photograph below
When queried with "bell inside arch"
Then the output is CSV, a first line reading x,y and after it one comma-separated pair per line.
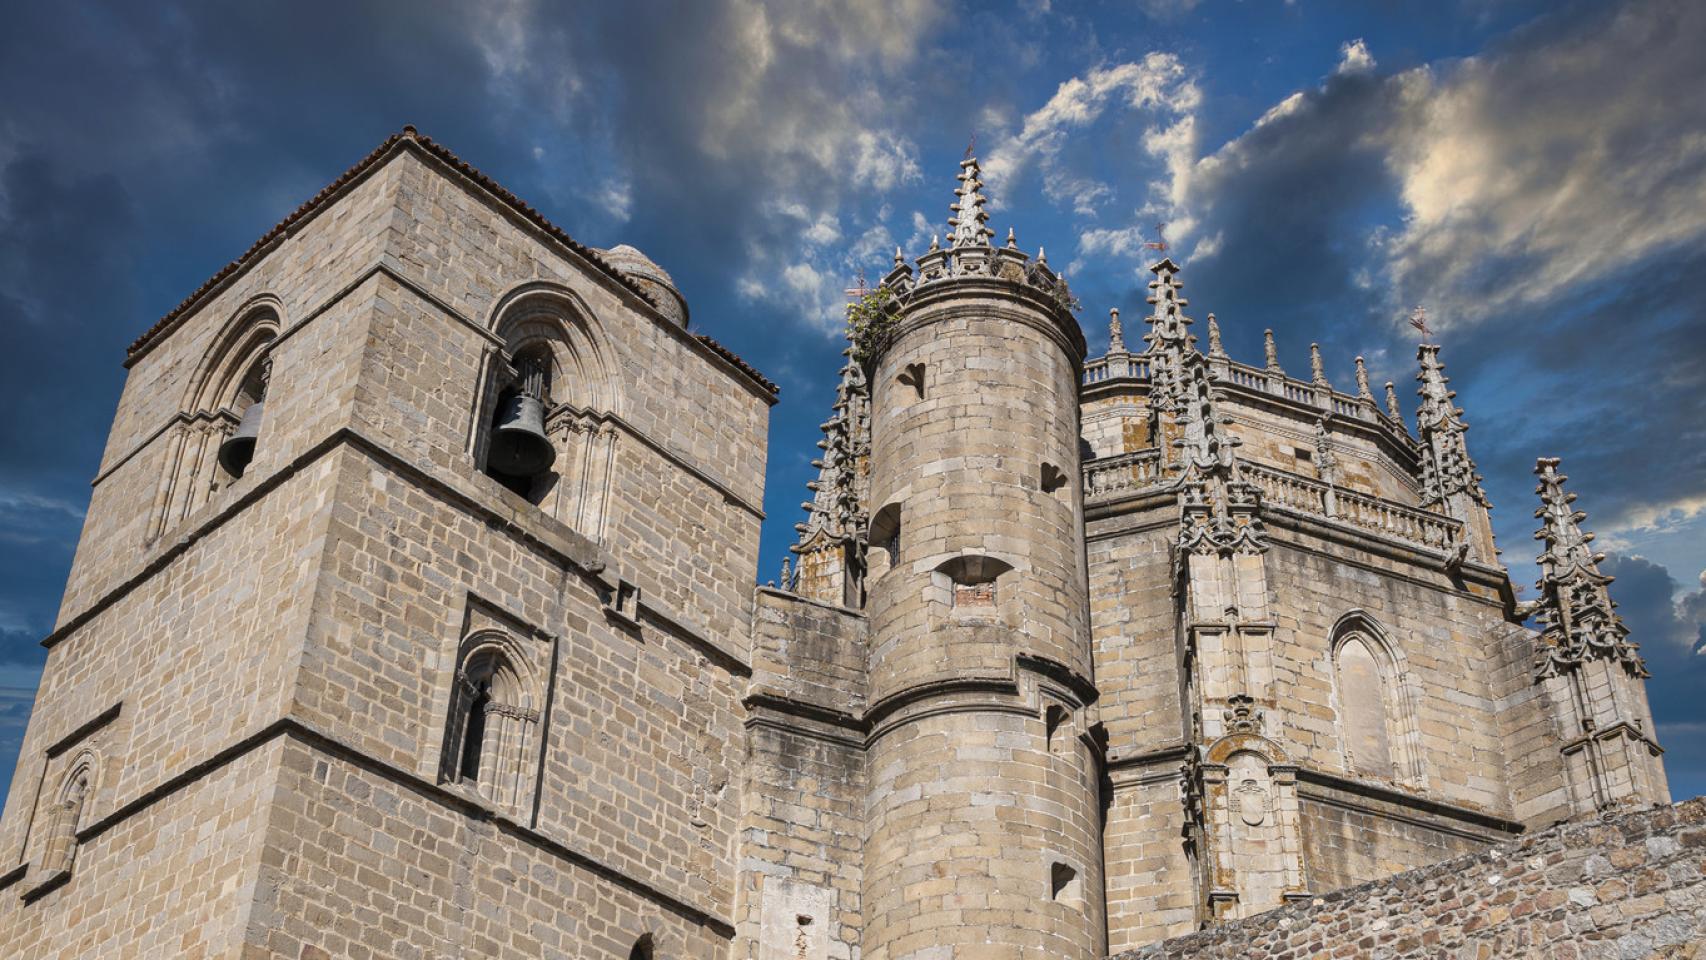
x,y
239,448
519,446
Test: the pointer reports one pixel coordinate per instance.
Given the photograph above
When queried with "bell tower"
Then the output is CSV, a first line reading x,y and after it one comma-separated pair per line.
x,y
983,835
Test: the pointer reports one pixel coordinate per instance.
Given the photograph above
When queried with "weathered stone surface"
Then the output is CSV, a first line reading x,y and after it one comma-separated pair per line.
x,y
1077,655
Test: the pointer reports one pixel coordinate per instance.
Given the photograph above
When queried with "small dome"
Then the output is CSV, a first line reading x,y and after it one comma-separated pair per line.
x,y
651,278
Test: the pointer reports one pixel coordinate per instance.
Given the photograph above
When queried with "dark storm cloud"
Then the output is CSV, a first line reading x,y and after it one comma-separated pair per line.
x,y
1285,207
1672,636
57,233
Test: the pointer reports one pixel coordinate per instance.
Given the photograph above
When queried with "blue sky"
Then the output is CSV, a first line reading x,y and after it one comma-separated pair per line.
x,y
1533,173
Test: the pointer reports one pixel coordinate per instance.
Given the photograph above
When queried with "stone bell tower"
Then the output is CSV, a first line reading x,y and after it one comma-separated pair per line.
x,y
983,832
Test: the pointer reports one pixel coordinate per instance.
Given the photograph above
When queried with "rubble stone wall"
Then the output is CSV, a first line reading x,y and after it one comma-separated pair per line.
x,y
1633,887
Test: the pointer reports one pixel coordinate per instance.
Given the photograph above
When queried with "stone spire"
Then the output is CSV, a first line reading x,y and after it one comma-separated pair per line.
x,y
1577,612
1392,409
1214,347
1116,337
1363,393
836,515
969,226
1271,352
1169,337
1446,467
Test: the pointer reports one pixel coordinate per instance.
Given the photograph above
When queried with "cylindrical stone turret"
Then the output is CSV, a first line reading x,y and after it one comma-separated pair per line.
x,y
984,810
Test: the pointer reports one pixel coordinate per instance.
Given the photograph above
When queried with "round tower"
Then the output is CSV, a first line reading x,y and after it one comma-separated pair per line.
x,y
983,811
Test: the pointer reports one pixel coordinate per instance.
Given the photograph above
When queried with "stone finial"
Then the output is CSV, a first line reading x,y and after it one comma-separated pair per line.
x,y
1446,467
935,242
1042,256
969,226
1012,239
1392,409
1580,622
899,258
787,580
1363,392
1214,347
1116,339
1318,369
1271,352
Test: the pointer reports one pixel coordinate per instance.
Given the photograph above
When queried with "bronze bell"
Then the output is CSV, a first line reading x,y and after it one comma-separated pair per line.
x,y
239,448
519,446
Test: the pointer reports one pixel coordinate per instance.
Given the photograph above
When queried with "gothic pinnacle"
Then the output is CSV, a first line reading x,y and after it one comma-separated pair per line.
x,y
1446,467
1362,381
1317,369
1116,339
969,226
1392,409
1577,610
1012,240
1271,352
1214,347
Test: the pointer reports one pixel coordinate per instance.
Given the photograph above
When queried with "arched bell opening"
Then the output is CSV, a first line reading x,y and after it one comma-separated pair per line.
x,y
519,453
238,450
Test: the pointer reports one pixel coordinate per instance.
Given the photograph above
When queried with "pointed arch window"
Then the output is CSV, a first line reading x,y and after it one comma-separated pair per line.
x,y
492,736
67,816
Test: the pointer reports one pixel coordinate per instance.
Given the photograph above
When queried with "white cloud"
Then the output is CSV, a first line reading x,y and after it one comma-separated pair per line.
x,y
616,197
1354,58
1560,163
1158,84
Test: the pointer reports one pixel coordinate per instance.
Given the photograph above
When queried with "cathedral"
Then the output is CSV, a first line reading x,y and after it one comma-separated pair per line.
x,y
414,616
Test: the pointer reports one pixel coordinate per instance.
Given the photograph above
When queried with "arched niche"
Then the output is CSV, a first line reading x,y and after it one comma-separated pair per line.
x,y
1375,702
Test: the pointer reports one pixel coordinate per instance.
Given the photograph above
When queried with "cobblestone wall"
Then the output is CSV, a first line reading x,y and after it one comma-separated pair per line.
x,y
1630,888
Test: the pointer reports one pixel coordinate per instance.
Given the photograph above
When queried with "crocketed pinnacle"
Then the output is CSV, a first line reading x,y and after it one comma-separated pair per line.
x,y
1576,609
837,509
969,226
1169,337
1446,467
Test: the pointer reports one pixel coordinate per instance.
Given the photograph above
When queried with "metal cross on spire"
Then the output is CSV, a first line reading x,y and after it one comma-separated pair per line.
x,y
1419,320
1159,244
859,290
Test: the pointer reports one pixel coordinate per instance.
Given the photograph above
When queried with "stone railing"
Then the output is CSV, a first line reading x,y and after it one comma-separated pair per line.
x,y
1115,365
1120,474
1374,514
1297,391
1115,476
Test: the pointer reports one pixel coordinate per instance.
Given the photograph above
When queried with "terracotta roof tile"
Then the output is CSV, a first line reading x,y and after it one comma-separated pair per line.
x,y
360,169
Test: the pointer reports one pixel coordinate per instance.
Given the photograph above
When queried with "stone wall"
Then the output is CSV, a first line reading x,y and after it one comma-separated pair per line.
x,y
803,798
1630,888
